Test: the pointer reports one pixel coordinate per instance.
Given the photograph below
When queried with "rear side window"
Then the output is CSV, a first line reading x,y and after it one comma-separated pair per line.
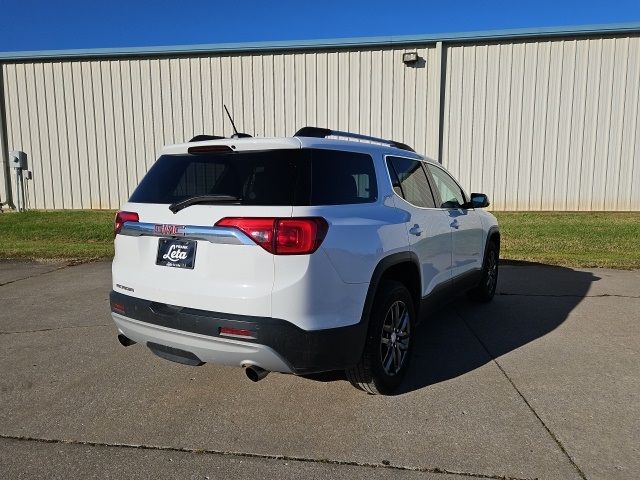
x,y
273,177
410,181
341,177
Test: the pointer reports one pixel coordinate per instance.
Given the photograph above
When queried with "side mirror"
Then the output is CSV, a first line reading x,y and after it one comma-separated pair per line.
x,y
478,200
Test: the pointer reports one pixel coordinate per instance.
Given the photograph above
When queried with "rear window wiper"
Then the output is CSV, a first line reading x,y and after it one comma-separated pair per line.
x,y
176,207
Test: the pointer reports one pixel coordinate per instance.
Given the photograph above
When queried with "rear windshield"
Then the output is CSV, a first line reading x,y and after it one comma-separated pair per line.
x,y
271,177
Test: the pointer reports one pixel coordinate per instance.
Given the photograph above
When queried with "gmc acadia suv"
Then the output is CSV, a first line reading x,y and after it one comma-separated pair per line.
x,y
296,255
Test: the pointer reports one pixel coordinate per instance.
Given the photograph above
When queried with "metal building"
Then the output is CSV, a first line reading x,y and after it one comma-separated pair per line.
x,y
542,119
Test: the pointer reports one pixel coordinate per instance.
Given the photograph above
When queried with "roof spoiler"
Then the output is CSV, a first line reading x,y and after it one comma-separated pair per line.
x,y
202,138
316,132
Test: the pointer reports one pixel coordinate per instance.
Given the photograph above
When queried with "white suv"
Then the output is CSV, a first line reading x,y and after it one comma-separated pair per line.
x,y
296,255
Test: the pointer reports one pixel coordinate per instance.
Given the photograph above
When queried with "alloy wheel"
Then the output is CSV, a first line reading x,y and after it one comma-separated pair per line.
x,y
492,270
394,342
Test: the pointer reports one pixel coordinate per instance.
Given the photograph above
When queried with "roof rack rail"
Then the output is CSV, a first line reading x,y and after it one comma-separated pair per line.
x,y
317,132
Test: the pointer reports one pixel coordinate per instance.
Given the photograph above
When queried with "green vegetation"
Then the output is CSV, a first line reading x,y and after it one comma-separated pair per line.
x,y
67,234
570,239
585,239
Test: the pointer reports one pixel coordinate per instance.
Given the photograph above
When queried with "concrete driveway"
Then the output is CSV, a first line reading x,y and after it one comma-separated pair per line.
x,y
542,383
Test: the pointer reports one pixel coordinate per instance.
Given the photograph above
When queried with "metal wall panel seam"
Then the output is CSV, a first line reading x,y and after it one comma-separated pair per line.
x,y
87,124
111,137
634,143
10,105
608,130
98,117
621,122
124,132
472,132
445,107
139,110
64,142
599,124
73,145
558,103
484,115
11,110
543,142
44,118
131,119
4,149
250,81
584,125
571,122
577,128
26,140
59,140
497,121
507,136
595,126
525,105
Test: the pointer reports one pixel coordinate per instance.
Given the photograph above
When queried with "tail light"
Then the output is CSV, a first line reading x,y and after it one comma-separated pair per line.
x,y
122,217
282,236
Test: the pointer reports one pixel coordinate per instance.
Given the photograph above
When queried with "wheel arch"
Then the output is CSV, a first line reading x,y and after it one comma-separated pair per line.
x,y
403,267
493,236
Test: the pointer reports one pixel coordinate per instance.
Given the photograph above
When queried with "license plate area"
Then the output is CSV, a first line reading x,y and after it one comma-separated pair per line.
x,y
176,253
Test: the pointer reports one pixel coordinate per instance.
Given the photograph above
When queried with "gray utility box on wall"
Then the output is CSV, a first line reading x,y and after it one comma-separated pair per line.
x,y
18,159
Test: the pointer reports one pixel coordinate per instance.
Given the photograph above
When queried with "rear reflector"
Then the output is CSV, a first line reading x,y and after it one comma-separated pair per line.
x,y
236,332
282,236
117,307
122,217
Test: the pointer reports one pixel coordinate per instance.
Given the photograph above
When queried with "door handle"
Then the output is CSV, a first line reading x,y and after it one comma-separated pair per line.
x,y
415,230
454,224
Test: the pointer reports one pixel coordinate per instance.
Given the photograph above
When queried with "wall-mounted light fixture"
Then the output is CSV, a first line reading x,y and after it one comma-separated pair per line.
x,y
410,58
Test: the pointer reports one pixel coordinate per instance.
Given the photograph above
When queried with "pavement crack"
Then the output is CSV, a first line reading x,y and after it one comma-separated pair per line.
x,y
292,458
54,329
57,269
524,399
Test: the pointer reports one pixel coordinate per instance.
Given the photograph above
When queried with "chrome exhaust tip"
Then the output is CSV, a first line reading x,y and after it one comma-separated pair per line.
x,y
125,341
255,373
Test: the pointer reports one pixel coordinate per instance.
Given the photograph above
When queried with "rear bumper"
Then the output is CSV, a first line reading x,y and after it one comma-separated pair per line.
x,y
276,344
205,348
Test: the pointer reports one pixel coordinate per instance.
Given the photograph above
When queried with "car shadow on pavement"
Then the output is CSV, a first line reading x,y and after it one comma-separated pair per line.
x,y
530,302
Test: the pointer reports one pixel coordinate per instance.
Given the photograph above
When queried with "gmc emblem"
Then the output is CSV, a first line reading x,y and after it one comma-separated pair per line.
x,y
169,229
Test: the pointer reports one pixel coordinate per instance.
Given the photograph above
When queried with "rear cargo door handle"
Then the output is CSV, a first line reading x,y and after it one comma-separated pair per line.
x,y
415,230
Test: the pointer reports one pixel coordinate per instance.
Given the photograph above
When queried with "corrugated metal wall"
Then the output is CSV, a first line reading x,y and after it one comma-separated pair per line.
x,y
538,125
546,125
92,128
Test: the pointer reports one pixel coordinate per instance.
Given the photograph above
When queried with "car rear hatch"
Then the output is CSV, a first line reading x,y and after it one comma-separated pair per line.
x,y
208,224
177,257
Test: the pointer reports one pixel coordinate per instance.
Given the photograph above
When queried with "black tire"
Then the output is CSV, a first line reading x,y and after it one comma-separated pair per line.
x,y
486,289
389,343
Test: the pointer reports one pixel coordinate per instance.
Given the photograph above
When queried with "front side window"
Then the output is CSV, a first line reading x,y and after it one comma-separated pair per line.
x,y
410,181
451,194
